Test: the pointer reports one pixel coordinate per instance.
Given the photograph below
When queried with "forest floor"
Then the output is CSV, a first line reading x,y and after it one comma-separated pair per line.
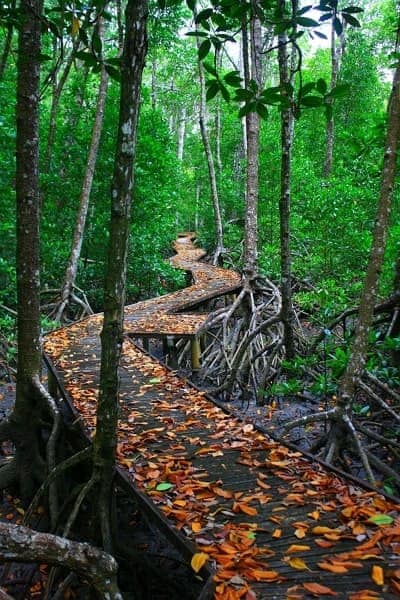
x,y
175,579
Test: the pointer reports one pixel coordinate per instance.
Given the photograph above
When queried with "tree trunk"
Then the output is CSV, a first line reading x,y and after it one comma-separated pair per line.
x,y
73,261
250,266
55,102
287,130
219,234
27,467
337,50
181,133
135,47
368,297
21,544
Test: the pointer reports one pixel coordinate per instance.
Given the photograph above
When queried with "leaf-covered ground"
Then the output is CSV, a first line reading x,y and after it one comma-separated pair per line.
x,y
270,522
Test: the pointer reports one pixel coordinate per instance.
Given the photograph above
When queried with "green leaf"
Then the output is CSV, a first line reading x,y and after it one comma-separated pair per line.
x,y
304,9
210,69
320,35
307,87
204,49
312,101
381,519
97,43
243,95
351,20
113,72
262,110
337,26
224,92
191,4
155,380
340,90
352,9
246,109
204,15
164,486
213,90
325,17
322,86
233,78
306,22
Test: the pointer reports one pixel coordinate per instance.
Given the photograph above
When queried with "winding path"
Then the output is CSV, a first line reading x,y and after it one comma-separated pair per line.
x,y
271,523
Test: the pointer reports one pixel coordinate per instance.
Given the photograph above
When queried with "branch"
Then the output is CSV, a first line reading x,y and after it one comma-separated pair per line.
x,y
21,544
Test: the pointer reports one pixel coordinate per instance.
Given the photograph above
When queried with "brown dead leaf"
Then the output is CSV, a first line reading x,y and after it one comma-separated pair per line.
x,y
297,548
317,589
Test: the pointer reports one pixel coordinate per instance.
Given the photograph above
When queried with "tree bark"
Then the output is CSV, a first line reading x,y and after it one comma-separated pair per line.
x,y
337,50
132,63
77,240
219,234
24,427
21,544
250,259
287,131
181,133
368,297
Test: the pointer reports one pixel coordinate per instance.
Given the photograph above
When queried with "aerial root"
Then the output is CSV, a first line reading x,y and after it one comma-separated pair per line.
x,y
345,431
56,310
242,342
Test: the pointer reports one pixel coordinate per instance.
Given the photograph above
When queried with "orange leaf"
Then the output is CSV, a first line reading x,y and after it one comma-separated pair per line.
x,y
300,533
245,508
324,543
317,589
223,493
333,568
365,595
198,561
263,485
259,575
320,530
377,575
196,526
297,548
277,533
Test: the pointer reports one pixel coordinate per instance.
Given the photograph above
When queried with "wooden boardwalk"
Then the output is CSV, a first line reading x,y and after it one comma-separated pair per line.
x,y
272,523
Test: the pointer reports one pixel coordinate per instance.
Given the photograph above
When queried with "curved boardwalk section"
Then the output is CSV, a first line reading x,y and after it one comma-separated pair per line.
x,y
271,523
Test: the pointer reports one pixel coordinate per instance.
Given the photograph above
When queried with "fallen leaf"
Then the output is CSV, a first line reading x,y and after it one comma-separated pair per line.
x,y
380,519
377,575
297,548
330,567
198,561
298,563
317,589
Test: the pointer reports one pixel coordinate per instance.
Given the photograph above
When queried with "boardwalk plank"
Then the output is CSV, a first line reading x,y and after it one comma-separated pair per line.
x,y
233,493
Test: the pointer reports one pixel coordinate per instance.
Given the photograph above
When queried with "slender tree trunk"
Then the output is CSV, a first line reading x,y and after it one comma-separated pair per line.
x,y
55,102
73,261
181,133
337,50
219,234
250,259
154,83
135,48
287,131
7,46
395,324
24,419
368,297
